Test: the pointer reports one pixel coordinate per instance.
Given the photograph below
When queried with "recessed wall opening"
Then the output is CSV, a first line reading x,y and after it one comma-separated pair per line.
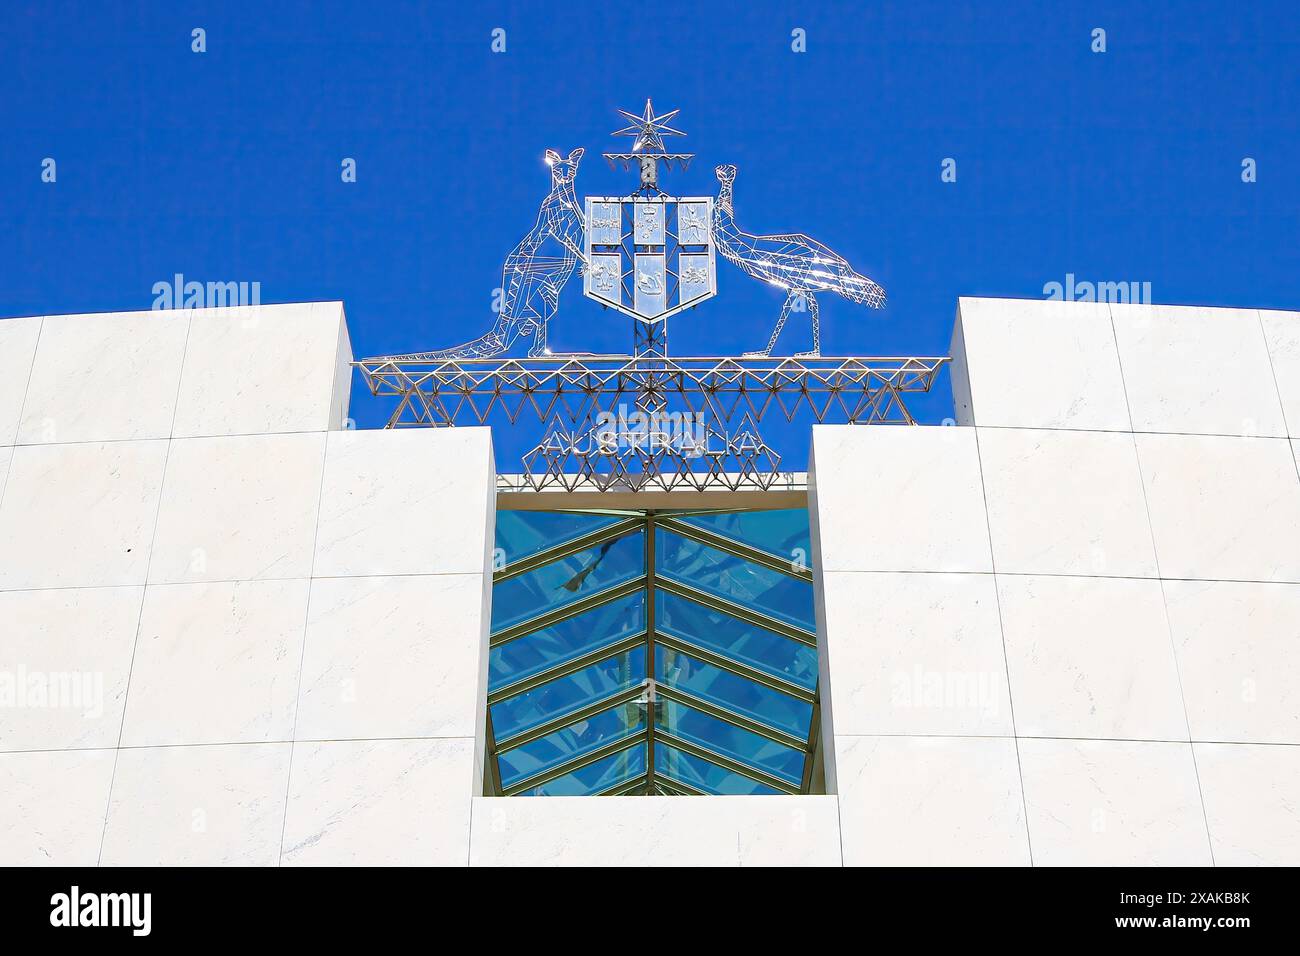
x,y
653,652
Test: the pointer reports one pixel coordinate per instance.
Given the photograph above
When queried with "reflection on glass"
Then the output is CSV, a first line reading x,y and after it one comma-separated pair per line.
x,y
521,534
581,737
782,533
702,775
623,767
734,742
570,638
736,640
716,686
761,589
570,579
514,715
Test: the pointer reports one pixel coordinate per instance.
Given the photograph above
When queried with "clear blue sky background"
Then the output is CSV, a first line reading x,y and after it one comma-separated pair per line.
x,y
225,166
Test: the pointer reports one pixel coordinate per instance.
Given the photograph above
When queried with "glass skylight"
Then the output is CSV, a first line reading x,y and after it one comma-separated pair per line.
x,y
657,652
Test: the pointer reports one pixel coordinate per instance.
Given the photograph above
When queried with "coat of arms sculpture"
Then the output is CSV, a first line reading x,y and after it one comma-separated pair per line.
x,y
649,255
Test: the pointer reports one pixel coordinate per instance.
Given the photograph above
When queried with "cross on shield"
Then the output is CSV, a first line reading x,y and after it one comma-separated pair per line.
x,y
649,256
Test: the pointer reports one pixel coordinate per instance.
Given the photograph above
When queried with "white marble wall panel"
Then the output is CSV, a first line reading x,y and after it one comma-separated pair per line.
x,y
914,653
930,801
380,803
238,508
1113,803
1090,657
1030,363
1197,370
65,655
263,369
18,338
217,663
52,806
1222,508
655,831
105,377
79,515
1238,647
379,485
1065,502
1282,336
391,657
901,499
1251,803
197,806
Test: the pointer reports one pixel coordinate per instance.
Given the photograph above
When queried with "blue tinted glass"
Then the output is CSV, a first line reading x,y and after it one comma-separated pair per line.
x,y
761,589
767,706
736,640
570,638
702,775
622,767
738,744
570,579
783,533
572,741
521,534
516,714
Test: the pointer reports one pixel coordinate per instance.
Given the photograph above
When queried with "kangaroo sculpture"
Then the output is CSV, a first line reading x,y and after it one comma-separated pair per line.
x,y
534,272
800,265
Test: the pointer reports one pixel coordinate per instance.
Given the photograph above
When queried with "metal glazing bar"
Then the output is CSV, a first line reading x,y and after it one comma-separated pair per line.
x,y
731,717
810,753
582,713
736,549
726,763
732,666
739,611
566,668
559,614
492,771
620,789
652,700
577,763
673,785
567,548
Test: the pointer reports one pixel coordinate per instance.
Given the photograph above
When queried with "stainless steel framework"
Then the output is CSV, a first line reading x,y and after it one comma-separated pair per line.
x,y
698,424
648,694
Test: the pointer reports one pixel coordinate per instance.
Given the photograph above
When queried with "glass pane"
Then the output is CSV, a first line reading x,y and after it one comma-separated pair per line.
x,y
736,640
567,580
521,534
578,738
769,707
782,533
716,572
516,714
622,767
534,653
738,744
702,775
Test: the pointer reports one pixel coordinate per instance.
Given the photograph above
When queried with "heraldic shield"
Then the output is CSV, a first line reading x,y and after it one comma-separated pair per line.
x,y
649,256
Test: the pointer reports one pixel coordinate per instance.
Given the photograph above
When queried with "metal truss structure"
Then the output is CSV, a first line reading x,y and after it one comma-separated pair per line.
x,y
649,422
800,265
643,694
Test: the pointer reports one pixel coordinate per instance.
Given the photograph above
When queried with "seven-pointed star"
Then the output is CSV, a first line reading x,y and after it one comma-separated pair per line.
x,y
649,129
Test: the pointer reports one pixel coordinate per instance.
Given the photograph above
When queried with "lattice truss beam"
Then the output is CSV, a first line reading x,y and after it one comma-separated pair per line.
x,y
643,694
700,423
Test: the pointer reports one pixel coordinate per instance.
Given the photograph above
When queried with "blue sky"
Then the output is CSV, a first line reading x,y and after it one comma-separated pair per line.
x,y
225,165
